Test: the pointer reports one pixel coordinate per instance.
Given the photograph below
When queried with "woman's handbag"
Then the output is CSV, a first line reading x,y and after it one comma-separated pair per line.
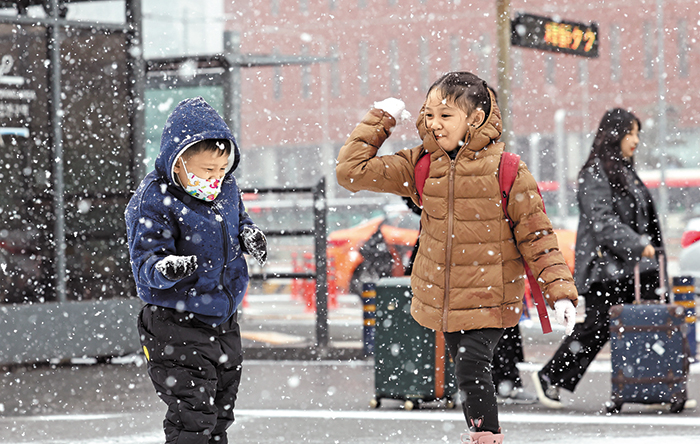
x,y
613,268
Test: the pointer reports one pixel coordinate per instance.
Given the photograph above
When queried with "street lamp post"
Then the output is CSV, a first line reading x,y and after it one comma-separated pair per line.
x,y
661,146
503,38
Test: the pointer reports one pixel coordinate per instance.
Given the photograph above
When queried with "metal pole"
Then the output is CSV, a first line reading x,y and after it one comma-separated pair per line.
x,y
320,212
534,161
232,84
369,310
661,143
503,35
327,155
56,113
137,76
559,118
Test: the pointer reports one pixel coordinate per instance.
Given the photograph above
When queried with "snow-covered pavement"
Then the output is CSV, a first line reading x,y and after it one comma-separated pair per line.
x,y
311,402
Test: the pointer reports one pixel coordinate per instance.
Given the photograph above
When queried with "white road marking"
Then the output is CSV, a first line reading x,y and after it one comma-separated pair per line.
x,y
512,419
516,418
597,366
50,418
141,438
402,415
272,337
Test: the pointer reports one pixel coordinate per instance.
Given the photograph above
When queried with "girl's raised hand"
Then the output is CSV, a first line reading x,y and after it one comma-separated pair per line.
x,y
395,107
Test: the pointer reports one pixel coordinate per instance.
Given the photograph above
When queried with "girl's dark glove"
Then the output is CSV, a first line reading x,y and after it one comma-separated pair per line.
x,y
255,243
175,268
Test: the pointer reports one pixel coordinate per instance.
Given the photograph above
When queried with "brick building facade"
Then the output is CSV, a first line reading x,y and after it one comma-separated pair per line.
x,y
297,117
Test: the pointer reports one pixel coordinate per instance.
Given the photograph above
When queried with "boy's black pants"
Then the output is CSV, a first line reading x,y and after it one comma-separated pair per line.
x,y
472,352
195,369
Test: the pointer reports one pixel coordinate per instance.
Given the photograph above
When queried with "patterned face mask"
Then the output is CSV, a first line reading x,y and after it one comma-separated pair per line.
x,y
204,189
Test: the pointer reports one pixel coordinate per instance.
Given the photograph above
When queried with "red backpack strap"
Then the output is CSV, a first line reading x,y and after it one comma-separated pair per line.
x,y
507,171
421,171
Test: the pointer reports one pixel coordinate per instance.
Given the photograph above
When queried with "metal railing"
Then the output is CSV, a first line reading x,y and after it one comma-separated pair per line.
x,y
320,213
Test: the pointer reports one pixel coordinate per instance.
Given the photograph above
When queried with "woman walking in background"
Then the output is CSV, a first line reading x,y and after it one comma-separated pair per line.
x,y
618,228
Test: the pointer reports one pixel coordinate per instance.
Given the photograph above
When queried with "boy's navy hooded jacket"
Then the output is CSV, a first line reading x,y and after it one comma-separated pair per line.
x,y
162,220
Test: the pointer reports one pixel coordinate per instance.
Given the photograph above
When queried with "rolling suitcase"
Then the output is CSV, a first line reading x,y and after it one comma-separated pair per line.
x,y
649,351
411,362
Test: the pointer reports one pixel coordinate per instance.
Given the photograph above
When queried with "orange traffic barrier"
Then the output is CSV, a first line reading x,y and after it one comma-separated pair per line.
x,y
332,285
295,287
305,289
309,285
244,303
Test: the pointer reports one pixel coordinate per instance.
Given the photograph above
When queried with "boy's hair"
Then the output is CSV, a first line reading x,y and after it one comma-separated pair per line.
x,y
466,90
222,146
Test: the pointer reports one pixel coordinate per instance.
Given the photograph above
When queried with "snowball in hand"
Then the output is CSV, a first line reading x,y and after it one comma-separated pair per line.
x,y
395,107
175,268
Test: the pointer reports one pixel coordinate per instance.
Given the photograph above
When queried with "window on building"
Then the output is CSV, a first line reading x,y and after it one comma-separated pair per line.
x,y
649,56
394,67
274,7
481,49
550,69
363,68
517,69
475,50
682,48
303,6
583,71
335,72
615,68
331,5
424,64
306,79
277,78
455,55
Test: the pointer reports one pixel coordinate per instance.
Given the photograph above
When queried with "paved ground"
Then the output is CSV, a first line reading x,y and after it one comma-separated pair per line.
x,y
309,402
313,401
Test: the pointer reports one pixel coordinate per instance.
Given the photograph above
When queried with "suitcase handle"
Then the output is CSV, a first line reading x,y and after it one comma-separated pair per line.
x,y
662,281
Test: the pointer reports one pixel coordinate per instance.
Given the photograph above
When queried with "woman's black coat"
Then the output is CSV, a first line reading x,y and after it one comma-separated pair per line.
x,y
614,228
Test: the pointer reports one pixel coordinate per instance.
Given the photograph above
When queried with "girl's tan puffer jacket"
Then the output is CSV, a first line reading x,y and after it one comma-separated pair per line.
x,y
468,273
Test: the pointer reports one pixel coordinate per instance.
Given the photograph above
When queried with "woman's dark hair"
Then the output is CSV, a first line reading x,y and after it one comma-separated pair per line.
x,y
614,126
466,90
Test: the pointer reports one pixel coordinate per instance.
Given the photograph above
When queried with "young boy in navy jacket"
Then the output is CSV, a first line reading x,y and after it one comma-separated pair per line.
x,y
187,230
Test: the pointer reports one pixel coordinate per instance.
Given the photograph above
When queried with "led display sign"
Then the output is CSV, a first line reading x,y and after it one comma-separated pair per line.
x,y
534,31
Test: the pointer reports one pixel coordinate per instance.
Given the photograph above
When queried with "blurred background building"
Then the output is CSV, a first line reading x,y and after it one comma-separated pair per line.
x,y
294,118
294,77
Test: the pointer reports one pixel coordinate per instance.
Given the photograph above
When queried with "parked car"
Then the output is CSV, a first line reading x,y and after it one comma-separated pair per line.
x,y
382,246
689,260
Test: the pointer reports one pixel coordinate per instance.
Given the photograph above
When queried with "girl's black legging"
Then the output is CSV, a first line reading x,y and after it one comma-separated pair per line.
x,y
472,352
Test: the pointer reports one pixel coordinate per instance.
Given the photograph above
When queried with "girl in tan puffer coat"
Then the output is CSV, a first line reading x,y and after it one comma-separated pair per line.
x,y
468,276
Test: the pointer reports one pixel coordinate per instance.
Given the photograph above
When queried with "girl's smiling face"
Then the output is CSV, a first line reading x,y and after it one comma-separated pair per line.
x,y
447,121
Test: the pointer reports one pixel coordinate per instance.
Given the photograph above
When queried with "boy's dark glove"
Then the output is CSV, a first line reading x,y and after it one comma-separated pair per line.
x,y
175,268
255,243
